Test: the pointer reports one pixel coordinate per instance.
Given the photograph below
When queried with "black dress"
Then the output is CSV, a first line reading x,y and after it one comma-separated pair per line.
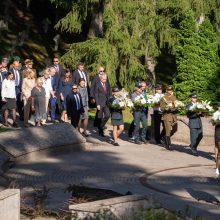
x,y
116,114
217,135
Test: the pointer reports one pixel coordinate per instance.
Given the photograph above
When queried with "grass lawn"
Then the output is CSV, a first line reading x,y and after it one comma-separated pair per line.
x,y
4,129
126,115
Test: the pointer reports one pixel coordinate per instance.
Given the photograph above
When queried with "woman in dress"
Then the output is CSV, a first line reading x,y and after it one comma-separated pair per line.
x,y
82,90
38,104
217,140
27,85
65,88
116,118
9,98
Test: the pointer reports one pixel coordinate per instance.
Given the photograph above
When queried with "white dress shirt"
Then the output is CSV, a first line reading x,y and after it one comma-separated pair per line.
x,y
47,86
8,89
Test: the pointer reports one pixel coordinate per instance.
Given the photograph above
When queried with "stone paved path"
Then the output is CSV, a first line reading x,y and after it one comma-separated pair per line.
x,y
176,178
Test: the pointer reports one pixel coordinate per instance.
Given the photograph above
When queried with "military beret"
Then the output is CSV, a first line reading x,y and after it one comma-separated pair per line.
x,y
193,95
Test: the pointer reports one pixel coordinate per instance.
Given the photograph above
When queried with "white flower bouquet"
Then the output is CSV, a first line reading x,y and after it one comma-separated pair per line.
x,y
140,101
215,118
202,107
155,100
121,101
118,104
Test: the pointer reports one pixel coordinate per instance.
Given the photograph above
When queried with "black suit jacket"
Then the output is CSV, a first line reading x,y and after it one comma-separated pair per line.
x,y
71,105
95,81
194,119
101,96
60,73
76,77
21,78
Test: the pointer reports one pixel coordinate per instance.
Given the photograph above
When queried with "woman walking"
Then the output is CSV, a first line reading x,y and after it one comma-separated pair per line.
x,y
27,86
82,90
9,99
116,117
65,88
38,104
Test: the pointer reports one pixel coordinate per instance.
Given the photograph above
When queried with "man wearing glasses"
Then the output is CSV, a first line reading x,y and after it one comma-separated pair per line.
x,y
57,66
74,106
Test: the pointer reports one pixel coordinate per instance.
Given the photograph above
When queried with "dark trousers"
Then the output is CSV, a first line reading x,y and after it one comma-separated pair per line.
x,y
75,119
196,136
52,102
19,103
157,123
102,117
140,116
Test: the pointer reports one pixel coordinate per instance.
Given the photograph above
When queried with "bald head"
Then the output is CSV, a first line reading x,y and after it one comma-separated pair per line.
x,y
16,65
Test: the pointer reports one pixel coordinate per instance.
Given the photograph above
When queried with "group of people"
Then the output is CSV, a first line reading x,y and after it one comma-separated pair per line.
x,y
70,94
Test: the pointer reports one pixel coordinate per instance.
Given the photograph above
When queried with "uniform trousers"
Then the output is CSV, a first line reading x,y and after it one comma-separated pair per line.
x,y
140,116
196,135
157,123
170,127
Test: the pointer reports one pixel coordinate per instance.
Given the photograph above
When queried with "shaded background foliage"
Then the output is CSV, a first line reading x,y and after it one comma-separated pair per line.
x,y
134,39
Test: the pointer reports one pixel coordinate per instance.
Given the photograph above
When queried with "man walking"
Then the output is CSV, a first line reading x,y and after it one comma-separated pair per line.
x,y
102,94
18,82
74,106
195,125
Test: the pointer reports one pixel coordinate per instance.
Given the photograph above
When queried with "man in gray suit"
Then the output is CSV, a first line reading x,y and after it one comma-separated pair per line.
x,y
195,125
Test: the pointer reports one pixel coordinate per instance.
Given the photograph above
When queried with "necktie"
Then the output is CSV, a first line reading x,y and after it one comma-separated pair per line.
x,y
82,75
17,78
77,101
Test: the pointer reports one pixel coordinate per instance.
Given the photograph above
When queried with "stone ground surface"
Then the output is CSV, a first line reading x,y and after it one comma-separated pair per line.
x,y
178,180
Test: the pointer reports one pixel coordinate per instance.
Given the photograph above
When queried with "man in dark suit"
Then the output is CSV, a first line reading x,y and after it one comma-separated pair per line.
x,y
195,125
74,106
58,67
80,73
102,94
18,83
95,81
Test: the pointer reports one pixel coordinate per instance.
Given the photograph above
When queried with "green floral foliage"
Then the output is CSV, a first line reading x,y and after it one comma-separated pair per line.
x,y
197,60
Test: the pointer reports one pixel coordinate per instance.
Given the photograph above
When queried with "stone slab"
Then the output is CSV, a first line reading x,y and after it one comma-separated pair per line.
x,y
21,142
119,207
10,204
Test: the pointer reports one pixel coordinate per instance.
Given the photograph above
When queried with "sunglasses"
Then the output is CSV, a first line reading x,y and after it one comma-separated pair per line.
x,y
56,61
74,88
102,71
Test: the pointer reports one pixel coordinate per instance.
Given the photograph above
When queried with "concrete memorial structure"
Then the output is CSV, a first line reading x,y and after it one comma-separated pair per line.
x,y
27,143
10,204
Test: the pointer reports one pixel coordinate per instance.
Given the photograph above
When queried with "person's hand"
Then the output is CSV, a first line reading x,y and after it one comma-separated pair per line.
x,y
32,108
61,97
93,101
4,100
98,107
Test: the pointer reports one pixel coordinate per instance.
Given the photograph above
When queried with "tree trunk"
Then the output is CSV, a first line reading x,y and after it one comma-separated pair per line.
x,y
150,63
96,25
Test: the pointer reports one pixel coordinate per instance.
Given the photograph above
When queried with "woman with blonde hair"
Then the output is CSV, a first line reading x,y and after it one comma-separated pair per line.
x,y
27,86
65,88
38,104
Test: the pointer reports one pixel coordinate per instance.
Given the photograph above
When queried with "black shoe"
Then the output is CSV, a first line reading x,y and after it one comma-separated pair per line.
x,y
167,143
158,142
144,140
15,125
53,121
21,118
101,134
137,142
194,152
116,144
